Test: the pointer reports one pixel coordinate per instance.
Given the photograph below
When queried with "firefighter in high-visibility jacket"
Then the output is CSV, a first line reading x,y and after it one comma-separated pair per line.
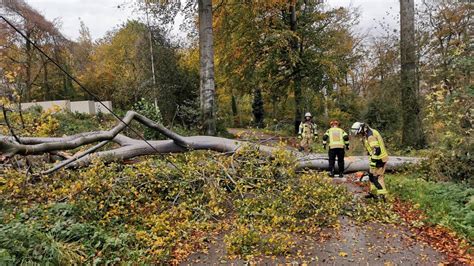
x,y
378,156
307,133
337,139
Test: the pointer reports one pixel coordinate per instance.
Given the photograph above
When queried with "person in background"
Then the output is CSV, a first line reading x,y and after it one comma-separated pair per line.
x,y
337,140
307,132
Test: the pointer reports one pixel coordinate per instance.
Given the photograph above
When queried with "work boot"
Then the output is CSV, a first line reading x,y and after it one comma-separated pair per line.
x,y
341,175
331,174
370,196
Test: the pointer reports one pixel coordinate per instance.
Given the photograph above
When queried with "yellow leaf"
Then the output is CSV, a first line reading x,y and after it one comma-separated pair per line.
x,y
343,254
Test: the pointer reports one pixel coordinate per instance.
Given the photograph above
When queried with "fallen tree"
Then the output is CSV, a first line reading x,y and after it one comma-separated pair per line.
x,y
130,148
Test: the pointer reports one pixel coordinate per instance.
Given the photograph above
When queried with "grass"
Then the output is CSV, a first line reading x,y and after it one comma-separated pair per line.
x,y
445,203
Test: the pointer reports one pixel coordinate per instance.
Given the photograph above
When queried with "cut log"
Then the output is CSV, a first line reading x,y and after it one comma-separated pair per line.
x,y
352,163
130,148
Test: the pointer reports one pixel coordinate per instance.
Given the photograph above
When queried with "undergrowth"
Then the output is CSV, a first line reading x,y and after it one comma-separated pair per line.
x,y
158,212
53,123
445,203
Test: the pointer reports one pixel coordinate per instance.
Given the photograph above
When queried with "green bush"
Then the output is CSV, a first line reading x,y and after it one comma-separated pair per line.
x,y
28,244
445,203
56,235
148,109
74,123
448,165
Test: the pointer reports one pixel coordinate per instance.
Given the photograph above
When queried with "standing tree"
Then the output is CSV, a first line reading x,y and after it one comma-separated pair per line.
x,y
32,76
297,49
257,108
165,12
206,60
235,113
412,134
289,49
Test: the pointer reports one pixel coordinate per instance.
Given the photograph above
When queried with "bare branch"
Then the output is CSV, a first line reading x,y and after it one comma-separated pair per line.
x,y
10,149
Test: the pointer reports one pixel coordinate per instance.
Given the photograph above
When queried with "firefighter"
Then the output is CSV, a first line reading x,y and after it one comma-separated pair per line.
x,y
378,157
307,132
338,140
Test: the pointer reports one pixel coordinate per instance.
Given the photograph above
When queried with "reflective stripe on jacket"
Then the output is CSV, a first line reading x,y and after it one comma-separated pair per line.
x,y
372,143
337,138
307,129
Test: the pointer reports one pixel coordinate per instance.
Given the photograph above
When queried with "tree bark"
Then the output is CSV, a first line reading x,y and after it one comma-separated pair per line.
x,y
206,49
28,67
412,133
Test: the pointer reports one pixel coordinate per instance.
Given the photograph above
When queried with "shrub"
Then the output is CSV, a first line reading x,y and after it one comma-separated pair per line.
x,y
74,123
445,203
148,109
448,165
27,243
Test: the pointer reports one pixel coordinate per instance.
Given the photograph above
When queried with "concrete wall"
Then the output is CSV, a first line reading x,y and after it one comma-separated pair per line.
x,y
99,108
87,107
64,105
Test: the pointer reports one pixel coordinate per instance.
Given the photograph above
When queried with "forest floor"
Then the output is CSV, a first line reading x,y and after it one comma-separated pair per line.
x,y
348,243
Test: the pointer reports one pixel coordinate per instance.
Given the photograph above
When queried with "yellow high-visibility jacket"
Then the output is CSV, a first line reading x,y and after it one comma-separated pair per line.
x,y
337,137
375,146
308,130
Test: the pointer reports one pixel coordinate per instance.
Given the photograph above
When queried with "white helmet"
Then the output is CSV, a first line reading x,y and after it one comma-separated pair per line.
x,y
357,128
308,114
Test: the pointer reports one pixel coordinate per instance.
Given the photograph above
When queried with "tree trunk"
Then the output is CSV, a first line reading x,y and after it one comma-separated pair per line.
x,y
46,86
412,134
130,148
28,66
208,109
296,75
257,108
235,113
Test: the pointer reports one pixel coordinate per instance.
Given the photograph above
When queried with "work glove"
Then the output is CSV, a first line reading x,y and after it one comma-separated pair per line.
x,y
347,147
324,146
378,151
299,136
376,163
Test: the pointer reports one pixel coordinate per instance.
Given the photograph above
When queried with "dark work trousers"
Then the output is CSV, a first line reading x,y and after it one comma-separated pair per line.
x,y
339,152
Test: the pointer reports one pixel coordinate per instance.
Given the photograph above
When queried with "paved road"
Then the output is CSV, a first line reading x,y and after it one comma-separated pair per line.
x,y
350,244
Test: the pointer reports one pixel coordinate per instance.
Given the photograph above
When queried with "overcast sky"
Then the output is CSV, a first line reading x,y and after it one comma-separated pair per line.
x,y
103,15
